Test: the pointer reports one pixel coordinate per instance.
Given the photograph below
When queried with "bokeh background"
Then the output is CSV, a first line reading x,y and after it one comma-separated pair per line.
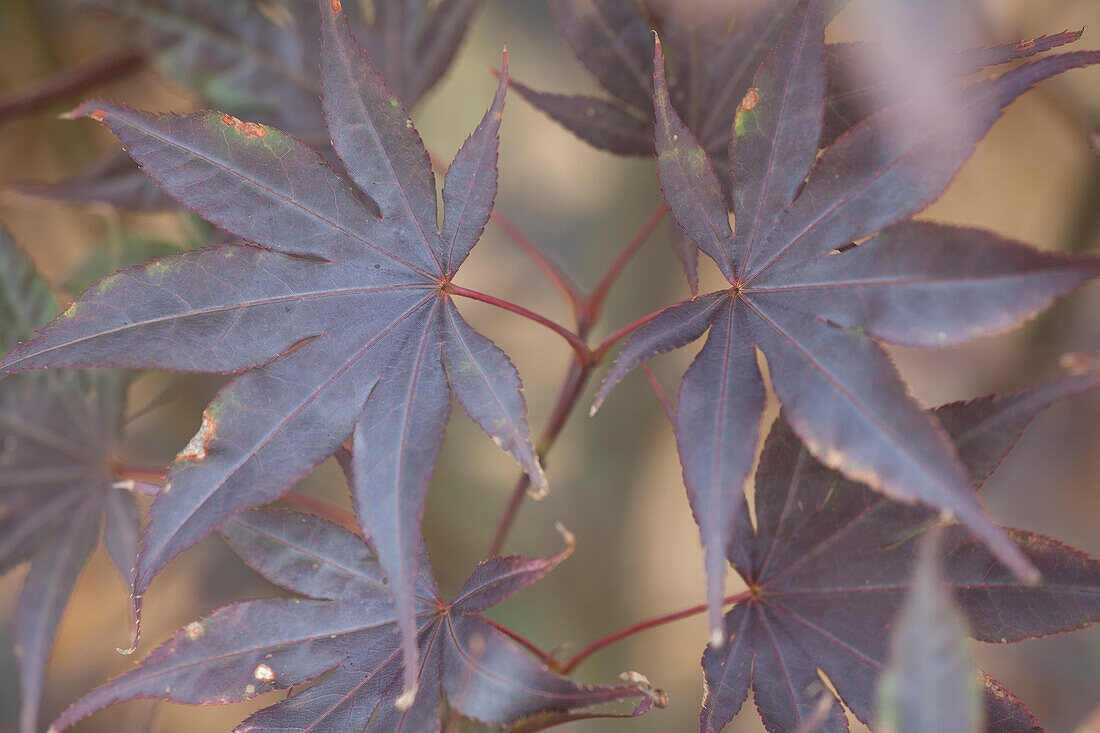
x,y
615,479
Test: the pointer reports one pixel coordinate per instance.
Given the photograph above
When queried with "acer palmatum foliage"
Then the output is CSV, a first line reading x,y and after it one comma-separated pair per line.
x,y
328,293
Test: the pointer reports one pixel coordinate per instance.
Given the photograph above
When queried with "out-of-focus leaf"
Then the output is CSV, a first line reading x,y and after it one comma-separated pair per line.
x,y
258,61
815,306
714,47
343,633
57,431
828,567
341,320
114,180
930,685
864,79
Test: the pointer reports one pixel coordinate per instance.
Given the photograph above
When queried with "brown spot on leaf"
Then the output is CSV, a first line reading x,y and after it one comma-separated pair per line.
x,y
336,6
98,115
195,631
248,129
750,100
196,449
263,673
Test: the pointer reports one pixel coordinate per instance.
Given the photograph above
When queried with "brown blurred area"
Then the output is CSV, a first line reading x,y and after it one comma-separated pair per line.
x,y
615,479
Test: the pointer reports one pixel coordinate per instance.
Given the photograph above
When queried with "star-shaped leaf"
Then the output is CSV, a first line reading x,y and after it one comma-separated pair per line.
x,y
339,630
258,61
57,432
829,565
340,320
816,307
715,47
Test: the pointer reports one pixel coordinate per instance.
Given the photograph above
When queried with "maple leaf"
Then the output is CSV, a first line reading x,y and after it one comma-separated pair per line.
x,y
715,47
817,313
341,321
57,431
259,61
828,568
339,630
930,684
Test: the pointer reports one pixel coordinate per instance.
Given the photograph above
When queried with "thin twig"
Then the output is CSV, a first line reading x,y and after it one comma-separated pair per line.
x,y
519,639
577,343
662,396
588,312
553,273
599,293
571,390
570,664
600,351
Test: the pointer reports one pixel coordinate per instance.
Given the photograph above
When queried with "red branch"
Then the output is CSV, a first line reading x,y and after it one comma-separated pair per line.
x,y
554,273
578,345
570,664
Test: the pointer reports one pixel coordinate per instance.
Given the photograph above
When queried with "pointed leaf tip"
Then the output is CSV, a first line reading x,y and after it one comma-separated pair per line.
x,y
406,699
569,538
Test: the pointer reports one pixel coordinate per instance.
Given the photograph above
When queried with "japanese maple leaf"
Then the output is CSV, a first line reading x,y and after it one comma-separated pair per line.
x,y
715,47
828,568
817,315
57,432
340,628
341,321
259,61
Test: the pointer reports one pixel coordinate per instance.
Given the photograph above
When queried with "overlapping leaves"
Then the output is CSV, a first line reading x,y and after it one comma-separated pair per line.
x,y
340,320
816,306
340,629
258,61
57,431
716,45
829,564
715,48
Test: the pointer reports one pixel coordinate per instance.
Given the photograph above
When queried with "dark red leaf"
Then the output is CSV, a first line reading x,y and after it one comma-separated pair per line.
x,y
828,567
813,312
342,635
715,47
612,39
717,427
688,181
605,125
923,284
341,318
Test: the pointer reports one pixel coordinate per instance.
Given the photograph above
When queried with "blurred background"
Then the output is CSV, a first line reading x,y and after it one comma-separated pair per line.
x,y
615,479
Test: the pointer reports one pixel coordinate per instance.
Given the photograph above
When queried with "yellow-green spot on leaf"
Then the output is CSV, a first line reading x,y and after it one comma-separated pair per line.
x,y
739,123
394,103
